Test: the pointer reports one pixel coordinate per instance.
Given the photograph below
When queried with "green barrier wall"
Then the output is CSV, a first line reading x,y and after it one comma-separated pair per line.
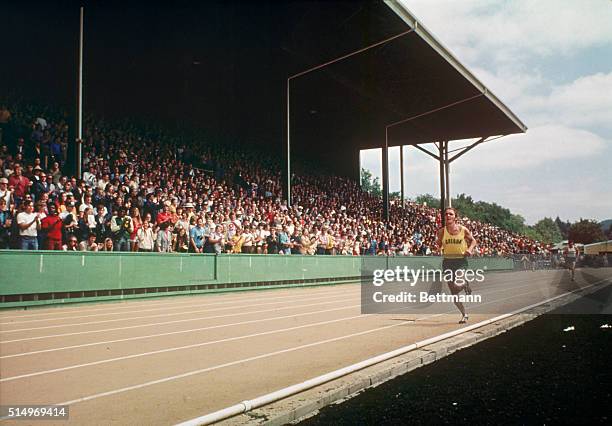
x,y
43,277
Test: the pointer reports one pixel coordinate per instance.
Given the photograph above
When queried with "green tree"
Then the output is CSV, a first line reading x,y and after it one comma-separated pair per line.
x,y
489,213
586,232
428,199
548,231
563,227
532,233
369,185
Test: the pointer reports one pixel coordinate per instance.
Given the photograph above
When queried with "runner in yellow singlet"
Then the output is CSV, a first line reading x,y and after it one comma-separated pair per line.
x,y
571,256
456,242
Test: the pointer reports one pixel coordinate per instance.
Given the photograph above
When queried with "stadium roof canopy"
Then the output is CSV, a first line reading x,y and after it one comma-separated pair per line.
x,y
412,80
224,67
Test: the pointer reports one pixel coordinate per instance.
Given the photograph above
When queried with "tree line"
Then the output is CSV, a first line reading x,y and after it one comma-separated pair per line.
x,y
547,230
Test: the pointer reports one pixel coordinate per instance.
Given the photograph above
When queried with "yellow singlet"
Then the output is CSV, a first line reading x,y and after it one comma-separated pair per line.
x,y
454,246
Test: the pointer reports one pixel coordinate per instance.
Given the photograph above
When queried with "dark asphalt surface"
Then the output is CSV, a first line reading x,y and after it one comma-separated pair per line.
x,y
533,374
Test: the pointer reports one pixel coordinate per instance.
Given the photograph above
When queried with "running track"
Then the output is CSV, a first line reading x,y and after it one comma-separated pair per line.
x,y
167,360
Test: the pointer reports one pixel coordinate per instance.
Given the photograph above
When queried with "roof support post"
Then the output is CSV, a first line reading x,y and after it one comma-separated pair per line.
x,y
287,178
441,163
79,136
434,156
402,175
470,147
385,176
449,202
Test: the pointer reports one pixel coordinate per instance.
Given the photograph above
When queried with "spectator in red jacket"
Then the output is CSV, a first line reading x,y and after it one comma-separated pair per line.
x,y
52,226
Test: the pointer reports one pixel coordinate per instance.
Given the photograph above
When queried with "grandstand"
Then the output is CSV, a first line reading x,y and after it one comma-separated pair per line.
x,y
171,187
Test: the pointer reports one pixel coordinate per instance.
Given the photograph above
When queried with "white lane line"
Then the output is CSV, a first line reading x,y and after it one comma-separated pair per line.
x,y
178,348
152,316
185,304
77,333
165,322
228,364
195,345
179,332
244,360
298,298
194,329
159,309
171,302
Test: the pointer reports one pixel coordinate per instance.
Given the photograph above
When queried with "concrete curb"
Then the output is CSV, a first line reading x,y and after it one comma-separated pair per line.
x,y
308,403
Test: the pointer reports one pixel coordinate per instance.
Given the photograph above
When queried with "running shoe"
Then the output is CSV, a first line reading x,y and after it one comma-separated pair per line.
x,y
464,319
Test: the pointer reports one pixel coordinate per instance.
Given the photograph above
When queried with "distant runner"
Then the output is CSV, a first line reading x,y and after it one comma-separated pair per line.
x,y
456,242
571,254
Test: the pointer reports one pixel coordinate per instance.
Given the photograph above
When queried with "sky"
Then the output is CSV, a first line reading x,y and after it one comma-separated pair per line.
x,y
550,62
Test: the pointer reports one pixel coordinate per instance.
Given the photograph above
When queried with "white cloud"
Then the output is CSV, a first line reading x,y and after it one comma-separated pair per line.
x,y
511,29
512,86
540,145
587,101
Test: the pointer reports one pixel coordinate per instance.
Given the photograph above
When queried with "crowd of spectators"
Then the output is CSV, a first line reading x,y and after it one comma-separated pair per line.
x,y
142,190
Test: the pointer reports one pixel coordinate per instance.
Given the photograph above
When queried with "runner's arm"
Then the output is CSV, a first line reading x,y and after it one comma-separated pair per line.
x,y
470,240
439,239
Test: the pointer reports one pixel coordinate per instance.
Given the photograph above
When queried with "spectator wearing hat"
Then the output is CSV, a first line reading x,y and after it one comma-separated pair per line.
x,y
189,208
5,193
